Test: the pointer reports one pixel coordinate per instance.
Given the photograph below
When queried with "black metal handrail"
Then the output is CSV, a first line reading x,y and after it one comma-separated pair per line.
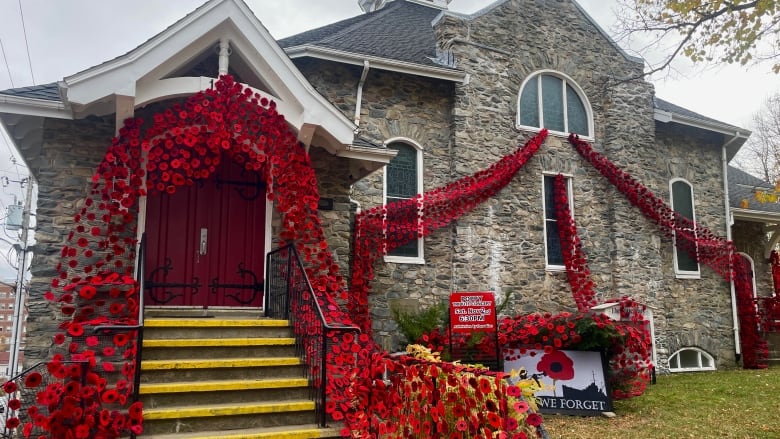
x,y
289,296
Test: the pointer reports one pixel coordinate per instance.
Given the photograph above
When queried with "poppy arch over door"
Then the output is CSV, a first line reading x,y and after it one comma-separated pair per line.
x,y
179,147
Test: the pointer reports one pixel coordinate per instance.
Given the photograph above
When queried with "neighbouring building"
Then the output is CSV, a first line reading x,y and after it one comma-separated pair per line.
x,y
7,314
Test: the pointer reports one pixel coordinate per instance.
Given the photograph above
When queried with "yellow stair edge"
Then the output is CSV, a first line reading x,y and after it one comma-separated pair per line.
x,y
217,342
218,363
221,385
294,432
152,414
212,323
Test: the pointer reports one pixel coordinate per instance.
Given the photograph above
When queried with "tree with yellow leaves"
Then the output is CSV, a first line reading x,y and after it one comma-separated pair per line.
x,y
710,31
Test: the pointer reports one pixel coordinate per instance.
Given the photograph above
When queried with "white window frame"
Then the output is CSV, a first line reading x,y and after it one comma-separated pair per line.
x,y
752,270
701,353
683,274
420,258
566,80
569,189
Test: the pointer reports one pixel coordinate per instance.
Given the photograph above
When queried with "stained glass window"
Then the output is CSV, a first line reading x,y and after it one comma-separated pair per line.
x,y
401,183
551,101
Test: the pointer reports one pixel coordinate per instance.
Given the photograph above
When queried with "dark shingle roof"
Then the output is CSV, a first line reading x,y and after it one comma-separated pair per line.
x,y
47,92
667,106
742,186
400,31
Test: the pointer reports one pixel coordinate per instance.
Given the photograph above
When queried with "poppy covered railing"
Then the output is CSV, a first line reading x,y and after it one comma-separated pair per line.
x,y
31,401
289,295
768,313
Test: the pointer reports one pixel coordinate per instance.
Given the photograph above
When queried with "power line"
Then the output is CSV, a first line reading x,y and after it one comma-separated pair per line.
x,y
26,44
6,63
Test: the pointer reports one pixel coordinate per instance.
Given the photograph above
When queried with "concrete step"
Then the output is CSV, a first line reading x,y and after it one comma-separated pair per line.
x,y
221,368
158,349
187,328
224,376
227,416
308,431
207,393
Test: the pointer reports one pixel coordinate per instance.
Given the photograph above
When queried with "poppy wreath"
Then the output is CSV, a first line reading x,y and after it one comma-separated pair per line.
x,y
701,243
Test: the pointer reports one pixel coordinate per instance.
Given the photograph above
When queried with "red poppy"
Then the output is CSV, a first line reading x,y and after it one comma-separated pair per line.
x,y
75,329
14,404
33,380
534,420
110,396
135,411
121,339
12,423
9,387
556,365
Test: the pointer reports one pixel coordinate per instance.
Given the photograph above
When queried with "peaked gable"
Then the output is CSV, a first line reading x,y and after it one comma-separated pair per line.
x,y
162,67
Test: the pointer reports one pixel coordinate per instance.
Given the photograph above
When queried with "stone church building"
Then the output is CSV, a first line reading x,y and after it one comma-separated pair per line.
x,y
402,99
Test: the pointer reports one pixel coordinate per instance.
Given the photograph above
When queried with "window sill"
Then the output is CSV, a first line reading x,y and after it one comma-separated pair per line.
x,y
687,275
554,133
693,369
555,268
404,260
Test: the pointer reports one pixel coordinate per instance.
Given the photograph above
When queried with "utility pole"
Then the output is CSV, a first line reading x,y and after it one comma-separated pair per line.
x,y
16,334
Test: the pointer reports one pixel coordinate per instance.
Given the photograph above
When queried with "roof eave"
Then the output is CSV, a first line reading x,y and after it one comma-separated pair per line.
x,y
34,107
722,128
755,215
308,50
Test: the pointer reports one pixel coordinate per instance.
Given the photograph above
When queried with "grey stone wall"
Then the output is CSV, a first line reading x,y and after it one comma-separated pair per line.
x,y
500,245
71,151
694,312
396,106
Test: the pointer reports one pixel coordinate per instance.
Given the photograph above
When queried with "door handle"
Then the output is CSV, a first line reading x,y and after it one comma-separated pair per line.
x,y
204,233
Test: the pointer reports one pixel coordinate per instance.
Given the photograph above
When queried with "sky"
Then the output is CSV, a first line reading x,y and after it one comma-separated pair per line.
x,y
66,37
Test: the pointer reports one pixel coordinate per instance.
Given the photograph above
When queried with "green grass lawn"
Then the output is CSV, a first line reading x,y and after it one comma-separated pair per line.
x,y
723,404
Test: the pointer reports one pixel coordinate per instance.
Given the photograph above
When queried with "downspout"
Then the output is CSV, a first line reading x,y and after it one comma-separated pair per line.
x,y
727,205
359,98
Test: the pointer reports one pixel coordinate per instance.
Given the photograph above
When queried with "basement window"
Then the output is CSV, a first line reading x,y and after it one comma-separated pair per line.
x,y
690,359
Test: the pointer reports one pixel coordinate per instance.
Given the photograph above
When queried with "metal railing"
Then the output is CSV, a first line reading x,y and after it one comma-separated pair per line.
x,y
289,296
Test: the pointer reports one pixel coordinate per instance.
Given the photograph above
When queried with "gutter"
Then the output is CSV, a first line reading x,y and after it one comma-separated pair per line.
x,y
727,204
377,62
34,107
359,97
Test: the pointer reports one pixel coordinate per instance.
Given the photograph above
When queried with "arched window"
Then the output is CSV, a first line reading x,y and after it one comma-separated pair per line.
x,y
554,101
690,359
403,181
685,264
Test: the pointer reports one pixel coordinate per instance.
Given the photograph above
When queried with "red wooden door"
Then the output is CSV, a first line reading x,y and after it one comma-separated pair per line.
x,y
205,244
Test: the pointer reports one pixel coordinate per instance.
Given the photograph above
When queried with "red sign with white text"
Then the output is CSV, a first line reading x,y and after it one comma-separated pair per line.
x,y
470,312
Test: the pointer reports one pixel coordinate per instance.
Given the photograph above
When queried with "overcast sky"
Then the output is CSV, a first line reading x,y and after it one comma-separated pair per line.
x,y
65,37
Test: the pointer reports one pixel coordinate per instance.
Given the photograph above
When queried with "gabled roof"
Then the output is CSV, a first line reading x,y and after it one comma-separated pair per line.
x,y
46,92
154,71
398,37
733,136
399,31
743,186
